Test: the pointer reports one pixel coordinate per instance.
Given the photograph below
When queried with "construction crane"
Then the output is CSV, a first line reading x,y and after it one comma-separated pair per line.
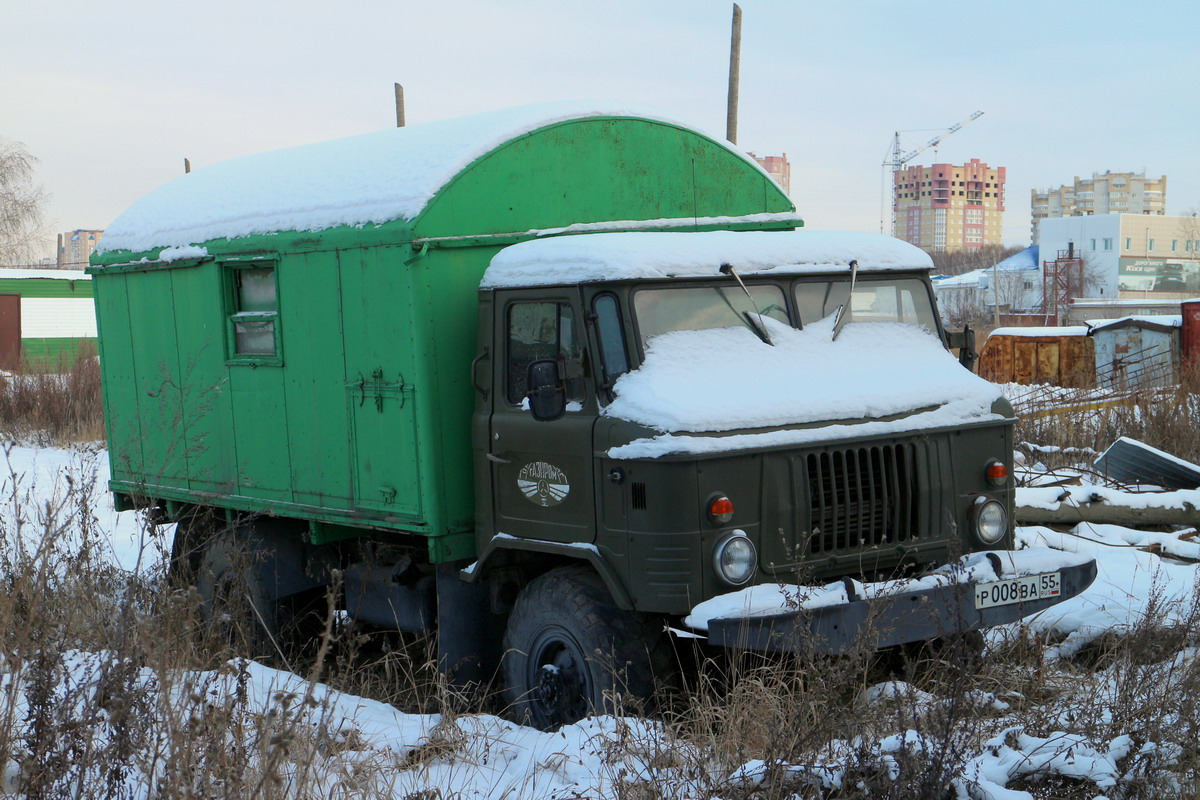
x,y
898,159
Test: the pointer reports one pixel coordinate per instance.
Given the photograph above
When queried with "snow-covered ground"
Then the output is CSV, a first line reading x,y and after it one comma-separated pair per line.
x,y
356,739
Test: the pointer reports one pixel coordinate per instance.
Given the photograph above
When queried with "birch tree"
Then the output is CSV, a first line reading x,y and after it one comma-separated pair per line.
x,y
21,202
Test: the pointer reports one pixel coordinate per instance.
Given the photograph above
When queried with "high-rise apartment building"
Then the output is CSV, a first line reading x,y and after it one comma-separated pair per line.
x,y
75,248
778,168
949,206
1103,193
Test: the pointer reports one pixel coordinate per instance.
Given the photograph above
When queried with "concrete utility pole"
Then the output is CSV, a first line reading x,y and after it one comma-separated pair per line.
x,y
735,66
399,106
996,295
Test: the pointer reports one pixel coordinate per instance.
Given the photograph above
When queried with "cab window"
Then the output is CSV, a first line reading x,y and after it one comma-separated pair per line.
x,y
539,331
690,308
614,361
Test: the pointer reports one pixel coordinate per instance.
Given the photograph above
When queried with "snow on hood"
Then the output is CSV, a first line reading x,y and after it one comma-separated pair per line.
x,y
373,178
728,379
628,256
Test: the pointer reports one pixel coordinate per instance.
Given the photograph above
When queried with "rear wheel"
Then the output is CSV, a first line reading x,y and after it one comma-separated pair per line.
x,y
570,652
257,596
235,605
192,531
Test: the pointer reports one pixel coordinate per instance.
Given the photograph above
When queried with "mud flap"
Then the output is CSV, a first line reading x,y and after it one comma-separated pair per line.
x,y
469,634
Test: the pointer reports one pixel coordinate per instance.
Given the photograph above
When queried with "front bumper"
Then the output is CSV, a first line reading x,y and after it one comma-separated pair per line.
x,y
887,620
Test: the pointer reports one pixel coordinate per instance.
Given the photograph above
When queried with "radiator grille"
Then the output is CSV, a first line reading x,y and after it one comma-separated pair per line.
x,y
861,497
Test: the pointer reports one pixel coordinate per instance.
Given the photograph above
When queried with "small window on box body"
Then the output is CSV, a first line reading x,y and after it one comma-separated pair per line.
x,y
254,315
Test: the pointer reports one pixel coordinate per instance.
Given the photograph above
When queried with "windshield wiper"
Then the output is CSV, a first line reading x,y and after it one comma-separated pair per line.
x,y
757,325
839,315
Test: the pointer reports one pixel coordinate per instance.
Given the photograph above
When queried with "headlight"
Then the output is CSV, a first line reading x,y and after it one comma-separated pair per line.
x,y
735,559
990,521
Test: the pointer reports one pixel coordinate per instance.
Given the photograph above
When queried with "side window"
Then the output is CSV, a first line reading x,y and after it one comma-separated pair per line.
x,y
613,357
252,329
538,331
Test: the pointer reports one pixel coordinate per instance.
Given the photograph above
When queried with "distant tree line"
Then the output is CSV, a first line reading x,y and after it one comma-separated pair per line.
x,y
956,262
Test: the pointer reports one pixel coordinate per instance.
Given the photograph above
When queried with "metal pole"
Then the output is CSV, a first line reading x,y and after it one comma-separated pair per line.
x,y
735,62
996,295
399,106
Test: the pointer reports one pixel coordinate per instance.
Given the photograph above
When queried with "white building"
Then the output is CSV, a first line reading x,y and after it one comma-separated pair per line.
x,y
1015,284
1130,256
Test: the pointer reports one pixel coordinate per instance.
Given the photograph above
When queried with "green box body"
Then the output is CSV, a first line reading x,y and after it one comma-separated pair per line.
x,y
362,420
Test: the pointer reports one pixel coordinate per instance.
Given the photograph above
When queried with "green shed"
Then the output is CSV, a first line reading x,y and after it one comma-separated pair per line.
x,y
294,332
45,316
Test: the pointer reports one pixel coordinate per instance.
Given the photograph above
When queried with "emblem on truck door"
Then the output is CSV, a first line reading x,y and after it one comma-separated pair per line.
x,y
543,484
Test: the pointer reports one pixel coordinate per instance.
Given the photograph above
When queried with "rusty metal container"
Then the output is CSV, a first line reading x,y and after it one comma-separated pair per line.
x,y
1057,356
1189,335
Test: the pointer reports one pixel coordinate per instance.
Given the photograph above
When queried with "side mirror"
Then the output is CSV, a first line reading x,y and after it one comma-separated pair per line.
x,y
547,396
965,342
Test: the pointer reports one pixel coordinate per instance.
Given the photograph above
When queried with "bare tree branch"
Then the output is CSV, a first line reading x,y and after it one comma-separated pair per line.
x,y
21,202
956,262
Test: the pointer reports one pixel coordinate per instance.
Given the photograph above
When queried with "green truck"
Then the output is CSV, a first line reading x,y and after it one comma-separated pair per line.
x,y
558,383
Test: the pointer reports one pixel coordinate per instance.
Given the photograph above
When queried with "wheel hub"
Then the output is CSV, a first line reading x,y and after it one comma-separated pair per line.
x,y
560,690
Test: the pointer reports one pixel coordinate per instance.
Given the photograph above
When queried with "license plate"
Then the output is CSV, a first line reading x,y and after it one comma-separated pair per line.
x,y
1018,590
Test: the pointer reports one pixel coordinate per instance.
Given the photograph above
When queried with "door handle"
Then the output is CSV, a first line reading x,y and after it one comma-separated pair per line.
x,y
495,459
474,364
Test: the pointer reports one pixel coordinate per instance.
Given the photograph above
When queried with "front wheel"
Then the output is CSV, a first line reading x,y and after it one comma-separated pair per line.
x,y
569,651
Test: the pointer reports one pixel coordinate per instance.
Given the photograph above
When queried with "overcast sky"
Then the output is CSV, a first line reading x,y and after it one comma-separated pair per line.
x,y
111,98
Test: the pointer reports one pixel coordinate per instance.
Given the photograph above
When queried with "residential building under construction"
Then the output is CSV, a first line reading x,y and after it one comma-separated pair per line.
x,y
944,207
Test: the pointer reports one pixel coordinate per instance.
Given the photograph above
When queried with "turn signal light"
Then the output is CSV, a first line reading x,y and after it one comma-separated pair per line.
x,y
720,510
996,473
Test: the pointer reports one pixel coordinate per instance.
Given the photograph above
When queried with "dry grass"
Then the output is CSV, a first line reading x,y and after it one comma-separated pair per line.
x,y
1079,421
56,404
106,692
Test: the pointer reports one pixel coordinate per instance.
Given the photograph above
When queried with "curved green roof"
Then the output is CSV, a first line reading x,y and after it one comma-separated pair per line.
x,y
501,172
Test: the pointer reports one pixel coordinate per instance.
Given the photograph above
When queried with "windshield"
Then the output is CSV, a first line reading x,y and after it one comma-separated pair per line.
x,y
887,300
699,307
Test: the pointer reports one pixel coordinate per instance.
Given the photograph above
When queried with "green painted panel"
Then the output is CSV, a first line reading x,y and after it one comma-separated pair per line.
x,y
445,287
156,376
385,450
120,387
207,415
378,309
314,376
45,287
260,431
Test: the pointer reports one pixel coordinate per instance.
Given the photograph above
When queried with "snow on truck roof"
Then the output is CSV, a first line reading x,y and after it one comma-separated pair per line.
x,y
627,256
368,179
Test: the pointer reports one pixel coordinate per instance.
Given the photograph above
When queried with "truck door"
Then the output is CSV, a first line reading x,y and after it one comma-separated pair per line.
x,y
542,472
